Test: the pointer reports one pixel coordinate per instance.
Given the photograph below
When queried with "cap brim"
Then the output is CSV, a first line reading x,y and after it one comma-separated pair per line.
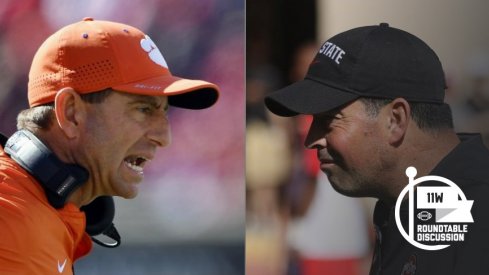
x,y
181,92
307,97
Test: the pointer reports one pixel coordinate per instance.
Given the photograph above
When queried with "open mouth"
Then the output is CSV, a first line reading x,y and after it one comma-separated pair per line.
x,y
136,163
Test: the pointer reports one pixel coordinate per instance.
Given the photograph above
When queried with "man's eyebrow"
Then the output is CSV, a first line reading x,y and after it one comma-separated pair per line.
x,y
148,100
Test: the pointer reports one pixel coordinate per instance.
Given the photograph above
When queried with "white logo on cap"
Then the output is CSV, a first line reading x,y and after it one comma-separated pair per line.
x,y
154,53
332,51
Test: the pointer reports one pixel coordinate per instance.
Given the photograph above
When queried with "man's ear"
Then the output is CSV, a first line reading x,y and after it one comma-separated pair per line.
x,y
70,111
399,118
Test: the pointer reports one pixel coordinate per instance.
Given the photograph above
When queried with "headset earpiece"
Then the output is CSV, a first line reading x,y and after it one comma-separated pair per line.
x,y
100,214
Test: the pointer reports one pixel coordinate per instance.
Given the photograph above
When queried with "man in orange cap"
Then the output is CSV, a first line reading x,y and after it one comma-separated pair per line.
x,y
98,93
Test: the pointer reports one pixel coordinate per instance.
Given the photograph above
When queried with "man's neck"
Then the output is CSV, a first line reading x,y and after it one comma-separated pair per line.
x,y
423,151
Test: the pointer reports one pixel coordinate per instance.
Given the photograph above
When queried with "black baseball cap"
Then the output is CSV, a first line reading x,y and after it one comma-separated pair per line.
x,y
371,61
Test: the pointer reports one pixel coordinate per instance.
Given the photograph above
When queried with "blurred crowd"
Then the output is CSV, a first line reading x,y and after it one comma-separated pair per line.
x,y
193,191
296,223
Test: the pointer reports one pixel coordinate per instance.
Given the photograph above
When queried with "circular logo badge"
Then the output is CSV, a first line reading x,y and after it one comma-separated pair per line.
x,y
442,212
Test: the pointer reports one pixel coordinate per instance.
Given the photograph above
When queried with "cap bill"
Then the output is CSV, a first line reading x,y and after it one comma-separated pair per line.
x,y
183,93
307,97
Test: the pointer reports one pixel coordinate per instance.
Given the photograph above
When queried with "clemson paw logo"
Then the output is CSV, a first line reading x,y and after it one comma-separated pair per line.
x,y
154,54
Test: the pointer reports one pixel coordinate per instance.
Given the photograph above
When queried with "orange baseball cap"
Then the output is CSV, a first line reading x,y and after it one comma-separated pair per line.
x,y
93,55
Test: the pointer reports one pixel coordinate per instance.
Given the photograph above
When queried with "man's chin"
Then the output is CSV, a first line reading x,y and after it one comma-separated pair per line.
x,y
349,183
128,196
128,190
351,191
132,192
344,187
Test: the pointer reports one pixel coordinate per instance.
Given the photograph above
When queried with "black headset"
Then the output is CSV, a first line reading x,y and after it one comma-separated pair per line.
x,y
59,180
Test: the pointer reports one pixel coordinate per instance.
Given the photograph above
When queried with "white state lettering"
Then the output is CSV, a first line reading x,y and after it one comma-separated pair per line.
x,y
332,51
323,47
336,50
339,57
327,46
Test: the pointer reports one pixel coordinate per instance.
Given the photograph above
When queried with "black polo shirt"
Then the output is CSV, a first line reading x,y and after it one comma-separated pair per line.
x,y
467,165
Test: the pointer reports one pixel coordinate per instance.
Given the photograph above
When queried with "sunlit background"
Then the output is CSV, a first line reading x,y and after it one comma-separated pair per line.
x,y
189,216
296,223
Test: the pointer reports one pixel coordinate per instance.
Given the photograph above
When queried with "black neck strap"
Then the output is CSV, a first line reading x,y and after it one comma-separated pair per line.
x,y
58,179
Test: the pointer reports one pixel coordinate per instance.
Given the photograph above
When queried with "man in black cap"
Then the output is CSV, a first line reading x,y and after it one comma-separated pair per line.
x,y
376,95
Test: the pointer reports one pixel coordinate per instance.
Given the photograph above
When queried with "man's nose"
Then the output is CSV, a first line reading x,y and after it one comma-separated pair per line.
x,y
160,132
315,139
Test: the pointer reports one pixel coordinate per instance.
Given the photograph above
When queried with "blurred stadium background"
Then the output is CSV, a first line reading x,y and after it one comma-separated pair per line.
x,y
189,217
296,223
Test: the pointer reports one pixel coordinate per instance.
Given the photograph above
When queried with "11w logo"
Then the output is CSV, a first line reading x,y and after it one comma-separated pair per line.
x,y
435,197
449,206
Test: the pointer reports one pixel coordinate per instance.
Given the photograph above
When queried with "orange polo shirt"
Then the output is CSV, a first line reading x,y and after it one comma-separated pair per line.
x,y
36,238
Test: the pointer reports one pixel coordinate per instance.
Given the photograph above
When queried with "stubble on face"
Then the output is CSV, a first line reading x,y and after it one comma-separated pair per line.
x,y
359,154
116,131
